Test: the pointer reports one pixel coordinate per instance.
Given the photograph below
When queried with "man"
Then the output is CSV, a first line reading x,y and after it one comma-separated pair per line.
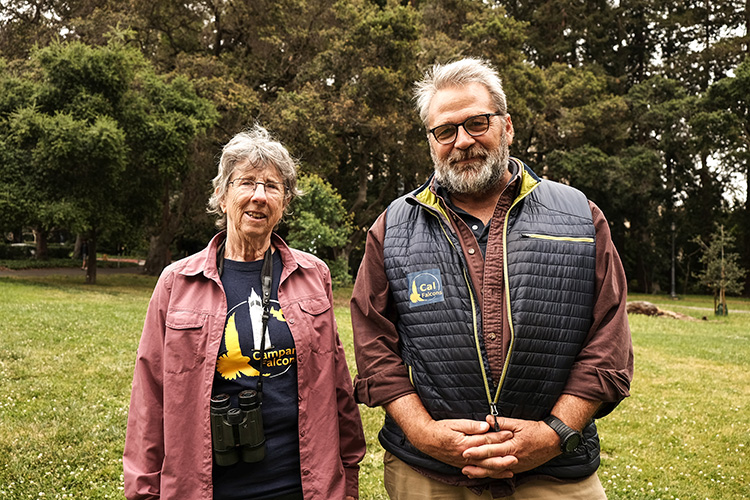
x,y
489,314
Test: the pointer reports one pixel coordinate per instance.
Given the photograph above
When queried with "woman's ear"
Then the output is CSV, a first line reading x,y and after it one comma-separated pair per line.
x,y
222,202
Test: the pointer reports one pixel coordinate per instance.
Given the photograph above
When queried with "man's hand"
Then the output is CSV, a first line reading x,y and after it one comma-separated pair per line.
x,y
445,440
532,444
448,440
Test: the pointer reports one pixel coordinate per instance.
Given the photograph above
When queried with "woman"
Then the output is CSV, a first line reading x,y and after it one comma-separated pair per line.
x,y
201,348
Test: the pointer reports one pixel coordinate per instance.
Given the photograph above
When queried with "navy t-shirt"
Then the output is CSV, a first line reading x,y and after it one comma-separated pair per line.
x,y
237,369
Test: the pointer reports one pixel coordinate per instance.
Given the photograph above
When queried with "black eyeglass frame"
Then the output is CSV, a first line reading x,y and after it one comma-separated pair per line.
x,y
463,124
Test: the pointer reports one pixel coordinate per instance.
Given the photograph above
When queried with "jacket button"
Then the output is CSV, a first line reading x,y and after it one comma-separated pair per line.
x,y
471,251
290,320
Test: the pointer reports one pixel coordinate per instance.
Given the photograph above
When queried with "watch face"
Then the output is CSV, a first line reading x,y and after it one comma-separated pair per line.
x,y
572,443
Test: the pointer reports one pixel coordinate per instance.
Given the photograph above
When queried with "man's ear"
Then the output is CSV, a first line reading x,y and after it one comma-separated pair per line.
x,y
509,128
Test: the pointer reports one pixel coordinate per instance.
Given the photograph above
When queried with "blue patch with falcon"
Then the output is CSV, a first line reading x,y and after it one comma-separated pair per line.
x,y
425,287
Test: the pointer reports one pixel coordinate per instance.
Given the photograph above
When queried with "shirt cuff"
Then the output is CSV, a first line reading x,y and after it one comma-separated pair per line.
x,y
383,387
351,477
597,384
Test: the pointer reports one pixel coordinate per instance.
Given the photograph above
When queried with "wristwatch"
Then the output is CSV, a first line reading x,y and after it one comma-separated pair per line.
x,y
570,439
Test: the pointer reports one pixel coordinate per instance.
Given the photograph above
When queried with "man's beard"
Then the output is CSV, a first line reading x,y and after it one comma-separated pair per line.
x,y
477,178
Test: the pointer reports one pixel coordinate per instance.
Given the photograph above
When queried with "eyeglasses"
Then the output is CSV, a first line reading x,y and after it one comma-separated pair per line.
x,y
474,126
272,188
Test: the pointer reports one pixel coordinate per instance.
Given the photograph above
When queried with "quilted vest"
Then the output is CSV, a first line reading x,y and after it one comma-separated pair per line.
x,y
549,249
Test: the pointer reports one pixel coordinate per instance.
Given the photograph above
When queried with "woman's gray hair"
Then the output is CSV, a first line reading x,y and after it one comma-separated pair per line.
x,y
257,147
458,74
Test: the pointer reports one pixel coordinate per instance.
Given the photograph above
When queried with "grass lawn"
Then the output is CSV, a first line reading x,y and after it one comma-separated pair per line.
x,y
67,352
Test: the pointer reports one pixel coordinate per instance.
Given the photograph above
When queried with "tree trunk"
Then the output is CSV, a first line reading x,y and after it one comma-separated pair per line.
x,y
159,255
78,248
40,238
91,259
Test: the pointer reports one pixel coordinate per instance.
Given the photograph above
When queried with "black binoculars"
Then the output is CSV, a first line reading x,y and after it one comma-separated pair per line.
x,y
237,432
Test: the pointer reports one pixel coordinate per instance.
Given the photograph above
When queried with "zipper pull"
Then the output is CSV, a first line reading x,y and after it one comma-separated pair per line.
x,y
494,413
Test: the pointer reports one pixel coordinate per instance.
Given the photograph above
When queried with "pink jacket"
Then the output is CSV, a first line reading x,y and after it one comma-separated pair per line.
x,y
168,444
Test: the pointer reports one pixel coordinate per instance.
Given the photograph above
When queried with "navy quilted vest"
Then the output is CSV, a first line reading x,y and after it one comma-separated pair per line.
x,y
550,255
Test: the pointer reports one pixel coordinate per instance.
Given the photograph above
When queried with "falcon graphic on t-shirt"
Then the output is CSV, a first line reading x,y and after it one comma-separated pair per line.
x,y
233,363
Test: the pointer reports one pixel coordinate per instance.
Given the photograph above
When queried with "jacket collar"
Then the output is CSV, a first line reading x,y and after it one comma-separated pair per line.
x,y
204,262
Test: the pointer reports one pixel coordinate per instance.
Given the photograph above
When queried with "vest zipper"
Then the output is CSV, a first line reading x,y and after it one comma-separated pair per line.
x,y
490,401
506,281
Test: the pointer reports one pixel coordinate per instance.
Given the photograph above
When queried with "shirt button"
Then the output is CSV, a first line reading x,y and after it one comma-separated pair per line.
x,y
475,227
471,251
492,336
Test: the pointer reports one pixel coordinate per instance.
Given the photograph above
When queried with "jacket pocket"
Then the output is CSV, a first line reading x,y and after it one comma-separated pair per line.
x,y
321,325
183,338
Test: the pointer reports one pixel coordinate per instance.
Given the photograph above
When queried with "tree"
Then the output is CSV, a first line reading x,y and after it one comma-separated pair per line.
x,y
105,138
320,224
727,100
722,273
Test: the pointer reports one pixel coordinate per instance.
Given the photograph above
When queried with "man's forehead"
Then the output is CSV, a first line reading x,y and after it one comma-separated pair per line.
x,y
460,101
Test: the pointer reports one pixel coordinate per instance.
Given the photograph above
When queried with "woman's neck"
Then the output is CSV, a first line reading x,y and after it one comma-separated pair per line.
x,y
245,250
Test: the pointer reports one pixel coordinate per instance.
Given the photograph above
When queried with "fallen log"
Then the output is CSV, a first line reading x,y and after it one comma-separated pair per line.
x,y
649,309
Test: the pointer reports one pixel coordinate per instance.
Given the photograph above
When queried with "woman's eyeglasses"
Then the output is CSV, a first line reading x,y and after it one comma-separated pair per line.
x,y
272,188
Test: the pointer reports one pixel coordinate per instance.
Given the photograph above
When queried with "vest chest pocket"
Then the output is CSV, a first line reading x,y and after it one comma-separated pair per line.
x,y
571,239
184,340
317,316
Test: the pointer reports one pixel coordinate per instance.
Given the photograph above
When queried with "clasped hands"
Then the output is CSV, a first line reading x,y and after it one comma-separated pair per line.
x,y
479,451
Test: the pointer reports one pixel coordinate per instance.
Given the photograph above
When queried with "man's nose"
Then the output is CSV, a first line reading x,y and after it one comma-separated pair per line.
x,y
463,139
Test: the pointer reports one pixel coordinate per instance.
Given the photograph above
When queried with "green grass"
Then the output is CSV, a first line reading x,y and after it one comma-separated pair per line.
x,y
67,352
17,264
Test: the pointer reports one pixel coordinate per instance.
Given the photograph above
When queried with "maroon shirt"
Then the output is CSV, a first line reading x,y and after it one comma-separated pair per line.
x,y
602,370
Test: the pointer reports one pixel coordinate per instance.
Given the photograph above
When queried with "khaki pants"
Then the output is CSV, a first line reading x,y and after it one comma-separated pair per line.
x,y
404,483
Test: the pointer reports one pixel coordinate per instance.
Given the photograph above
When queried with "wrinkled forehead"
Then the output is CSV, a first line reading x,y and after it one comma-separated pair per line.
x,y
246,168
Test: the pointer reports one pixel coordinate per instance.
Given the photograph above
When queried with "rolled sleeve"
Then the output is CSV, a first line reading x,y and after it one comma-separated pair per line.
x,y
382,376
604,368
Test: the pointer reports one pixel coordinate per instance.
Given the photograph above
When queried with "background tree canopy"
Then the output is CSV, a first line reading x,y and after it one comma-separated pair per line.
x,y
112,114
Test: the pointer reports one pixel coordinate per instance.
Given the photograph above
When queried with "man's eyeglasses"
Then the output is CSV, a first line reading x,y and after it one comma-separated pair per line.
x,y
474,126
272,188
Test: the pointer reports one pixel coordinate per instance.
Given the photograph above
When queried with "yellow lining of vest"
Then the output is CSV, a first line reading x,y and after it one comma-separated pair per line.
x,y
490,401
528,184
426,196
558,238
430,199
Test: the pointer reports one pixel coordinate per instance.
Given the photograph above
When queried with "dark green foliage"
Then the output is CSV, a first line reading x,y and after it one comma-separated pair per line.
x,y
642,104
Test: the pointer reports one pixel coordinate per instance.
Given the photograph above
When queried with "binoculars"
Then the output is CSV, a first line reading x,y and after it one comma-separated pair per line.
x,y
237,432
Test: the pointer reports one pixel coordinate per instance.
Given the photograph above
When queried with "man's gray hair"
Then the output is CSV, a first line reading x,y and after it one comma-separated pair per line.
x,y
458,74
257,147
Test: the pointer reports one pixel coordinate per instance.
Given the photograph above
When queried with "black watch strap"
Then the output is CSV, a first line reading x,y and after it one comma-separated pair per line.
x,y
570,439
